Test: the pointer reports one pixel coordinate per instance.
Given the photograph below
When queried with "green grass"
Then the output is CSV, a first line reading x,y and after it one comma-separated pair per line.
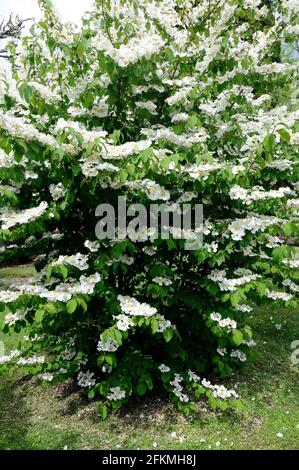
x,y
16,274
37,416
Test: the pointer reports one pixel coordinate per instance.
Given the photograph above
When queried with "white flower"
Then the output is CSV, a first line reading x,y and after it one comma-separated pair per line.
x,y
292,263
57,191
47,377
85,379
239,355
148,105
11,219
30,361
13,354
180,117
91,246
8,296
131,306
192,376
116,393
109,345
12,318
244,308
221,351
78,261
123,322
223,322
162,281
275,295
163,368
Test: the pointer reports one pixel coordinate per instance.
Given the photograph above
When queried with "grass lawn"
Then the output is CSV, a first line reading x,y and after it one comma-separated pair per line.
x,y
45,416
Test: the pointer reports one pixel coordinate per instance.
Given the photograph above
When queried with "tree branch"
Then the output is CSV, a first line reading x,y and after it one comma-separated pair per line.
x,y
12,28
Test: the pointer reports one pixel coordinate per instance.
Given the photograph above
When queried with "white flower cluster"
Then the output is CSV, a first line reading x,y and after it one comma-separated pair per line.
x,y
131,306
57,191
7,296
291,285
148,105
108,345
192,376
31,361
12,318
291,263
6,160
162,281
77,261
116,393
123,322
47,377
18,127
6,359
85,379
74,127
280,165
124,150
258,194
182,140
236,353
92,166
91,246
153,190
252,223
231,284
45,92
276,295
11,218
244,308
219,391
163,324
133,51
180,117
163,368
202,170
178,388
62,292
221,351
124,259
223,322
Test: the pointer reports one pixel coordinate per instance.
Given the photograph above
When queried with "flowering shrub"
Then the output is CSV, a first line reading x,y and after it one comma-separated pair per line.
x,y
167,101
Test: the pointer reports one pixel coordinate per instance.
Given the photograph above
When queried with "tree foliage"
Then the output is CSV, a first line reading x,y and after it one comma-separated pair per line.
x,y
160,101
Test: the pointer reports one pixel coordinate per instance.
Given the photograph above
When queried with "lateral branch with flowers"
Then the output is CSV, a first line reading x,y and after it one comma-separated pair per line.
x,y
169,101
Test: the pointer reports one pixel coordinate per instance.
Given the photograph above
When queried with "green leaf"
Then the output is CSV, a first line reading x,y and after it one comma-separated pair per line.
x,y
288,229
91,394
235,298
284,135
39,315
81,48
192,121
141,388
63,271
168,334
269,142
71,306
154,325
102,410
238,337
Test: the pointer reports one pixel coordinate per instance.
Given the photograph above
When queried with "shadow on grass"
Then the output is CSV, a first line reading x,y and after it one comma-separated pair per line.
x,y
14,414
17,431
